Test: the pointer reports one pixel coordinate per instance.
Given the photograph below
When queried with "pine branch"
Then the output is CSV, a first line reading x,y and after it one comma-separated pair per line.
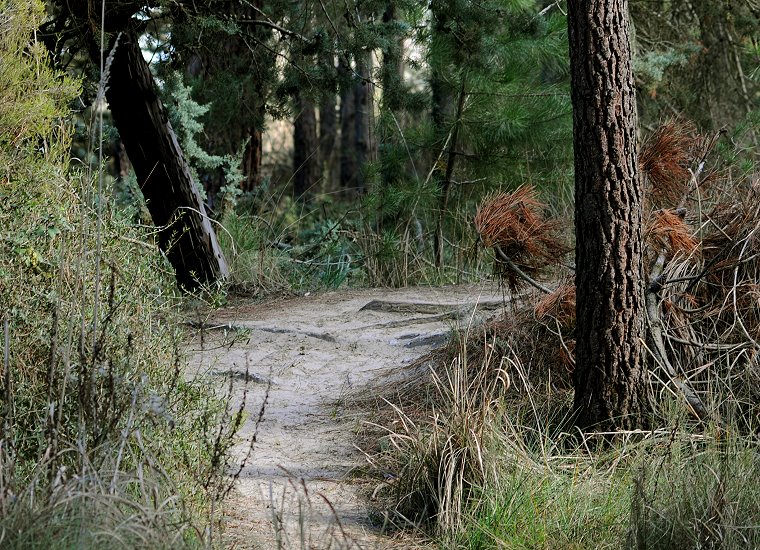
x,y
519,272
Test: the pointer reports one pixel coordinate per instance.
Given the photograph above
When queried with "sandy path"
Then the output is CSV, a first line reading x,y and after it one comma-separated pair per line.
x,y
316,350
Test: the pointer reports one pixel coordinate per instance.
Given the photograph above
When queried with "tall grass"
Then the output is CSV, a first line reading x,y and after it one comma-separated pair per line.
x,y
479,440
103,442
276,245
497,464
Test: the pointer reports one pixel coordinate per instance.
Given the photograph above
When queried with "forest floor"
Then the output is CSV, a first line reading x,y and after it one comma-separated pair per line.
x,y
304,484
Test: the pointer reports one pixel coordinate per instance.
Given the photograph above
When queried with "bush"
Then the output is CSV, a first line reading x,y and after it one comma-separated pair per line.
x,y
103,441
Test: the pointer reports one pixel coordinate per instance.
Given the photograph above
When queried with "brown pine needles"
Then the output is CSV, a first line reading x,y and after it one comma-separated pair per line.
x,y
665,158
514,224
668,231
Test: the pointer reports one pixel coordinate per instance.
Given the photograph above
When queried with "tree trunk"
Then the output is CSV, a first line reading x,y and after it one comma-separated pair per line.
x,y
444,118
328,133
611,384
348,164
328,123
252,157
392,70
393,93
363,119
443,176
306,169
186,235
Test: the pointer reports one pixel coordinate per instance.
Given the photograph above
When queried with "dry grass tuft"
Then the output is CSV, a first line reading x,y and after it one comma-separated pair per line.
x,y
519,333
514,222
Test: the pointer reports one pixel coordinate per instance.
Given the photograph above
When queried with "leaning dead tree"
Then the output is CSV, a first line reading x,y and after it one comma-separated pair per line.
x,y
172,196
701,257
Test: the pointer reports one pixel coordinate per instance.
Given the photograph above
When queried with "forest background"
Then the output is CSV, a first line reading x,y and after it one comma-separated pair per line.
x,y
333,143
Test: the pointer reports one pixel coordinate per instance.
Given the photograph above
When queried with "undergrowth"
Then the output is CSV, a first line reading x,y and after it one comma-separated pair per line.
x,y
104,442
275,244
478,448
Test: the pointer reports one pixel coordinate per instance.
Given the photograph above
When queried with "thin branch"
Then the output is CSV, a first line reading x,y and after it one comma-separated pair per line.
x,y
656,332
274,26
519,272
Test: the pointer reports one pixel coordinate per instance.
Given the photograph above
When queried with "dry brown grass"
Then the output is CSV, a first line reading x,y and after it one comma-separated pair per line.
x,y
705,257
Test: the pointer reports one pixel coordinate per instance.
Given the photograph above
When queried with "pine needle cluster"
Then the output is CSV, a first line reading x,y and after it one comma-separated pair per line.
x,y
514,223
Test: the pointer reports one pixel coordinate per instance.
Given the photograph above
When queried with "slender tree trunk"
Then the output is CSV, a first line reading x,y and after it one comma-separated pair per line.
x,y
444,116
392,71
392,87
720,71
362,120
328,134
328,124
252,157
306,167
349,167
611,384
443,93
443,174
172,197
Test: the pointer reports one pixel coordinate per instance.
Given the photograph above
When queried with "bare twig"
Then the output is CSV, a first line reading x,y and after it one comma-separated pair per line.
x,y
656,331
519,272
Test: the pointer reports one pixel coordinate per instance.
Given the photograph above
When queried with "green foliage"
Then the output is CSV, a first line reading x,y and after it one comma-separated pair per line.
x,y
696,61
275,248
102,440
185,115
550,509
652,66
499,115
31,94
701,493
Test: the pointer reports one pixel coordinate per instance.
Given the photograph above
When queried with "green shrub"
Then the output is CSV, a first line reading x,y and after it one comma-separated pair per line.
x,y
103,440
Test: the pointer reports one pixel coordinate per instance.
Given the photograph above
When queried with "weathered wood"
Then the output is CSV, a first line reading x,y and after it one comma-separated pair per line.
x,y
174,202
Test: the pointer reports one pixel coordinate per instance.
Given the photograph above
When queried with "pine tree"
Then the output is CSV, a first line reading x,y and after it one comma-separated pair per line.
x,y
497,106
610,376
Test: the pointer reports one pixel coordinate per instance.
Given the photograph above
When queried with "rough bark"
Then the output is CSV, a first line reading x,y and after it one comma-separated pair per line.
x,y
306,166
185,235
610,375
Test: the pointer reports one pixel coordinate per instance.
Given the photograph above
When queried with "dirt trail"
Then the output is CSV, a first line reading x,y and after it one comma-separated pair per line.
x,y
316,350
